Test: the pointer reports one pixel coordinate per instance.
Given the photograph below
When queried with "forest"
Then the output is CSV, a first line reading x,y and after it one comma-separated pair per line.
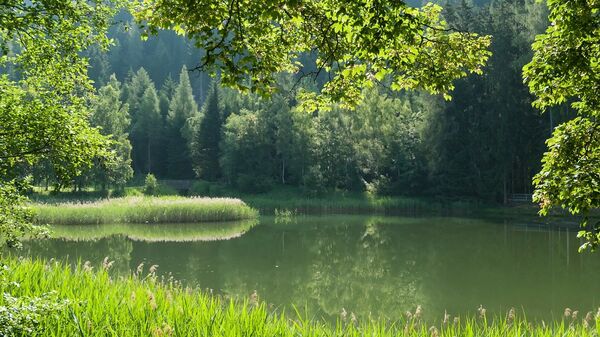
x,y
179,123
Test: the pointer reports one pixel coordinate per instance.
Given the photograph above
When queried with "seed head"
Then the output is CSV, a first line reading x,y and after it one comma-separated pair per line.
x,y
481,310
446,317
510,316
151,300
418,312
344,315
254,299
106,264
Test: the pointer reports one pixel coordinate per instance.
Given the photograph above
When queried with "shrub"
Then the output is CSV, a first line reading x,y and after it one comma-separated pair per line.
x,y
150,185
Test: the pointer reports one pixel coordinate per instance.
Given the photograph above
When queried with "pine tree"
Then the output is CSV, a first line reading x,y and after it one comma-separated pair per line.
x,y
182,112
149,127
165,94
134,93
207,137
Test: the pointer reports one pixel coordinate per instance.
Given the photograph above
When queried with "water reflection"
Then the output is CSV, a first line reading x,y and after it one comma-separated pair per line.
x,y
379,266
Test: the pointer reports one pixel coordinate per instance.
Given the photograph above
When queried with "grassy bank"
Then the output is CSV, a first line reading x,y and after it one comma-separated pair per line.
x,y
92,304
144,210
156,232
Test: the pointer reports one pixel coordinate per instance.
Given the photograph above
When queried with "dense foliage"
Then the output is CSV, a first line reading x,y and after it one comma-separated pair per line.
x,y
44,90
358,43
566,69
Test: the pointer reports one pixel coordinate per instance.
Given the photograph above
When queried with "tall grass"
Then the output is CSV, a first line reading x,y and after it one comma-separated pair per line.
x,y
208,231
144,210
93,304
336,203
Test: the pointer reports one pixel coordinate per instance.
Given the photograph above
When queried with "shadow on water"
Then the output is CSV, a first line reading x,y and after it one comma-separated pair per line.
x,y
368,265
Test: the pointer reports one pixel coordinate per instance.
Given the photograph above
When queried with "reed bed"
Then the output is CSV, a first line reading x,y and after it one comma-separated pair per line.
x,y
93,304
208,231
141,210
357,204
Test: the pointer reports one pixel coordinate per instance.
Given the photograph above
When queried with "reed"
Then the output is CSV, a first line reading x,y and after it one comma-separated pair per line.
x,y
356,204
92,303
151,210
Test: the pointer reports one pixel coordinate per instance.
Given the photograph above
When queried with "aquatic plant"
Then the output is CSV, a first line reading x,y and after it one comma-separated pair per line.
x,y
144,210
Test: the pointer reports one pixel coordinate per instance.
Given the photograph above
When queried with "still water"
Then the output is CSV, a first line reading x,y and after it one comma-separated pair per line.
x,y
367,265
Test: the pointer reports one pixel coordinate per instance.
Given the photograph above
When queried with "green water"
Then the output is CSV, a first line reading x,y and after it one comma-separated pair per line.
x,y
378,266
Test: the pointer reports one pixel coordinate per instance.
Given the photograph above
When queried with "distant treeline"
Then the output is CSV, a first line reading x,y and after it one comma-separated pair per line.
x,y
485,143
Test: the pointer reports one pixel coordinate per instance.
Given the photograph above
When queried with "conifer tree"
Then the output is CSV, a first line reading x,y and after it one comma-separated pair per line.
x,y
149,128
133,94
207,137
165,94
182,112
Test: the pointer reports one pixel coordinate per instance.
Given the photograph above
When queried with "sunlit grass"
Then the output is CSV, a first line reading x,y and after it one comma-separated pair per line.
x,y
156,232
140,305
144,210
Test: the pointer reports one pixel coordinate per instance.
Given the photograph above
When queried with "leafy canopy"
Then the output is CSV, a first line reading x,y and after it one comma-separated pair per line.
x,y
566,69
44,93
358,43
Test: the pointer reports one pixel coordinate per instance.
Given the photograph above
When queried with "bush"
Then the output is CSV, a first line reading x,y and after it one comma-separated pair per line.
x,y
133,192
22,316
150,185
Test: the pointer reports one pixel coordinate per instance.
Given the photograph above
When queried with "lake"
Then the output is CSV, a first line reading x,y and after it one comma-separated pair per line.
x,y
368,265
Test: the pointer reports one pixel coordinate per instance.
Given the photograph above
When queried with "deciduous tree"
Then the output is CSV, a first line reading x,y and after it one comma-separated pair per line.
x,y
566,70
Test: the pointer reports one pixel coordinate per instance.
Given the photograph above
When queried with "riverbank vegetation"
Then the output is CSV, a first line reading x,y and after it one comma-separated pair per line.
x,y
289,198
87,301
144,210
